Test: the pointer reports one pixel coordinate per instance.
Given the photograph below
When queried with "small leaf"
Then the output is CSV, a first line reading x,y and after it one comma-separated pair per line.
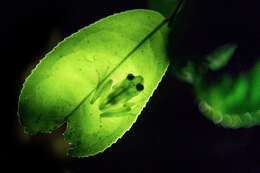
x,y
232,102
97,80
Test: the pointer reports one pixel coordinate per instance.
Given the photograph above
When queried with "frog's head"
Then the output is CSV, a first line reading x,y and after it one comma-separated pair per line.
x,y
137,81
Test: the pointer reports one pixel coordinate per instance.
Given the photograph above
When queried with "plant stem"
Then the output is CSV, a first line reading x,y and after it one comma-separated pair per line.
x,y
175,11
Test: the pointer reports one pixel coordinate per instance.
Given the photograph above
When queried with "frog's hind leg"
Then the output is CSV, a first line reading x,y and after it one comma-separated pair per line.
x,y
118,112
101,91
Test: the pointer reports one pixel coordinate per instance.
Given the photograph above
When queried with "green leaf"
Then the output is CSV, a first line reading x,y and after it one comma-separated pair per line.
x,y
97,80
232,102
165,7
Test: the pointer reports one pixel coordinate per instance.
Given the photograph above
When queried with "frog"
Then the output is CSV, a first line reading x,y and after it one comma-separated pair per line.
x,y
114,100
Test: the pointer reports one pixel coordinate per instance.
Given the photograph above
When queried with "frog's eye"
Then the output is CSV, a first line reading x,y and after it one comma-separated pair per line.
x,y
130,76
139,87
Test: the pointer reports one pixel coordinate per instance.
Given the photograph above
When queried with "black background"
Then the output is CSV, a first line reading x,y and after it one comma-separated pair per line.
x,y
170,135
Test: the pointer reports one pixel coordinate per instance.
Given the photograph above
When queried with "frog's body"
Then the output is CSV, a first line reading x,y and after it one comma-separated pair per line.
x,y
114,100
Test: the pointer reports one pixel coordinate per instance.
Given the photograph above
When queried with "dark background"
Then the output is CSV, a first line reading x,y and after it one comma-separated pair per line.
x,y
171,135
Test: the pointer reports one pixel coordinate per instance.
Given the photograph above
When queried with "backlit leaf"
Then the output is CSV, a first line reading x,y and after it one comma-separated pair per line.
x,y
97,80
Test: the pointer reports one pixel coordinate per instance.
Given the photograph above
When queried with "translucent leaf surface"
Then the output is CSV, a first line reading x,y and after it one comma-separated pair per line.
x,y
97,80
232,102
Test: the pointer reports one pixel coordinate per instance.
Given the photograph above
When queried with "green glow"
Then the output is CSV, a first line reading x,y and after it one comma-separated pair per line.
x,y
195,67
69,82
188,72
221,56
233,103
